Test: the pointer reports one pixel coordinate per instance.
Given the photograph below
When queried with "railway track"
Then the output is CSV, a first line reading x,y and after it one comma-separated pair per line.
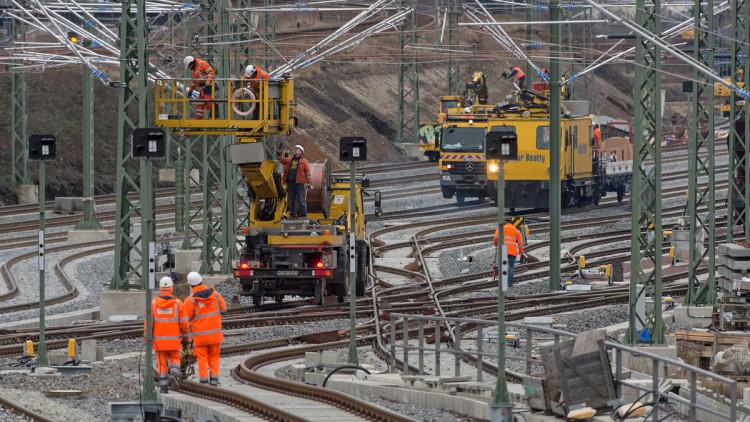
x,y
446,291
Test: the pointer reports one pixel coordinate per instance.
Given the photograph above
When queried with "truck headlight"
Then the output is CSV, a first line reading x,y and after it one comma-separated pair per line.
x,y
494,167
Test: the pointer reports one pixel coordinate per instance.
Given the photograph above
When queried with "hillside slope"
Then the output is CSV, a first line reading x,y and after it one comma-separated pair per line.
x,y
334,100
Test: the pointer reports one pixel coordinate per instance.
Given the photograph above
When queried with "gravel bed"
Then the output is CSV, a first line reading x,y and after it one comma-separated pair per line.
x,y
417,412
115,380
91,275
119,379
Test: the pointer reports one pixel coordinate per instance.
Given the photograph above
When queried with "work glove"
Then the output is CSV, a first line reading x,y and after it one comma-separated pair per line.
x,y
309,186
190,93
522,260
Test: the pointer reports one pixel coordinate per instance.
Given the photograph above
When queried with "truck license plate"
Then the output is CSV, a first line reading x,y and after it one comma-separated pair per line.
x,y
287,272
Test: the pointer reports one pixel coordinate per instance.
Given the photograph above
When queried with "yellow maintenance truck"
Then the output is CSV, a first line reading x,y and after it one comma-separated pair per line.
x,y
280,255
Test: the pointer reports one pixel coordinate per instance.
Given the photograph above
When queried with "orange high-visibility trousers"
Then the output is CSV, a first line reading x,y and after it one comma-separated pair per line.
x,y
203,108
208,357
168,363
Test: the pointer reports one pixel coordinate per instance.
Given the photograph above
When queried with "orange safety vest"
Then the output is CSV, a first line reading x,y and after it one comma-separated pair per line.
x,y
303,171
597,138
256,77
170,324
203,308
519,73
203,73
512,238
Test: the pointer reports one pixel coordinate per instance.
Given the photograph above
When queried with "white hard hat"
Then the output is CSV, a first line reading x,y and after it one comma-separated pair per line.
x,y
194,278
249,70
300,147
165,282
188,60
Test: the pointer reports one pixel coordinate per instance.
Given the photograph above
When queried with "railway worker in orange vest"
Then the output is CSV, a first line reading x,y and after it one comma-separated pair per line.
x,y
203,308
518,75
597,138
170,328
298,179
514,241
203,78
252,77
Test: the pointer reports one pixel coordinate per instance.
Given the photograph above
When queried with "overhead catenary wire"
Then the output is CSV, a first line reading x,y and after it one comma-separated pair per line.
x,y
673,31
502,37
302,60
700,67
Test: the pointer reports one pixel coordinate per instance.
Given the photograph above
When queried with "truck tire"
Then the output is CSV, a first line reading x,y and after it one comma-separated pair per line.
x,y
620,193
257,299
447,192
279,299
339,290
460,198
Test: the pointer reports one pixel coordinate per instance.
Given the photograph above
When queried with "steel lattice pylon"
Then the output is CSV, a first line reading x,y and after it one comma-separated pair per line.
x,y
589,85
645,277
229,172
213,174
738,194
19,112
270,143
133,36
408,79
447,37
702,142
243,58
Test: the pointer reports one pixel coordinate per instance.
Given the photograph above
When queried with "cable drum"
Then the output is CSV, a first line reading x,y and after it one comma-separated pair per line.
x,y
243,94
319,197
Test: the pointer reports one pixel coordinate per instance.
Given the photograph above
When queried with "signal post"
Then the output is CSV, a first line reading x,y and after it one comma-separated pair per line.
x,y
352,149
501,145
41,148
148,144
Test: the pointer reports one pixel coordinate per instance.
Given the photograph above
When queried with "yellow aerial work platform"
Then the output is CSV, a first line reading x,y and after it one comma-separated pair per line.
x,y
235,108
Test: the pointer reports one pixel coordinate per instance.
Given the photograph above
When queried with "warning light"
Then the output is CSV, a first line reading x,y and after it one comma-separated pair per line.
x,y
244,265
72,37
320,264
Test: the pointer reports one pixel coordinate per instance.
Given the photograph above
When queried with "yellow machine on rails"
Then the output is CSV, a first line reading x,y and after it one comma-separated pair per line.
x,y
429,132
459,141
585,174
280,256
720,90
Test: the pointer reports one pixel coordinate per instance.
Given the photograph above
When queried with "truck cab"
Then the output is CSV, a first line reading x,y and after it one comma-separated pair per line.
x,y
462,162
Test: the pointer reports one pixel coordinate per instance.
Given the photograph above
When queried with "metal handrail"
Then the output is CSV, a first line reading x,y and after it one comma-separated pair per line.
x,y
428,322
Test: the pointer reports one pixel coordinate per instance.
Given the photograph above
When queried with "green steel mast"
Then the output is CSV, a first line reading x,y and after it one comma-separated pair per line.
x,y
214,190
738,191
702,163
645,277
19,111
408,79
133,112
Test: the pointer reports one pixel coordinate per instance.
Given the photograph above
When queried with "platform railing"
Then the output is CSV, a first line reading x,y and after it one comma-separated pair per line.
x,y
263,107
403,325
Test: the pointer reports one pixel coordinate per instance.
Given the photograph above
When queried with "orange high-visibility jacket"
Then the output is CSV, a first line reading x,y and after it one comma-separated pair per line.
x,y
203,308
254,79
303,171
597,138
517,73
203,73
170,324
513,239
